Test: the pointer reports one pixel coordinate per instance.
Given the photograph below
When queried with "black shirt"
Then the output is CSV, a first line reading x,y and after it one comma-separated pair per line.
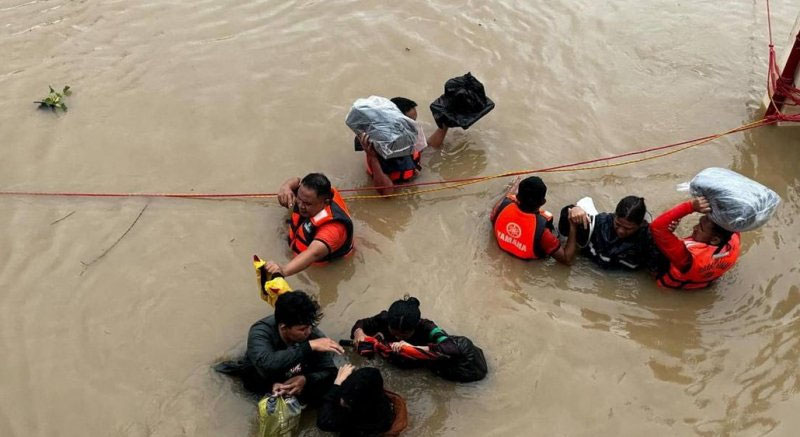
x,y
426,333
269,360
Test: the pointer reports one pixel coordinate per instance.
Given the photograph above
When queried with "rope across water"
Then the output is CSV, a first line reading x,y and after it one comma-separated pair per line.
x,y
774,85
446,184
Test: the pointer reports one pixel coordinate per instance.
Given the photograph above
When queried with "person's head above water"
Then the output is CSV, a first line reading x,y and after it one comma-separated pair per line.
x,y
313,195
404,316
363,395
407,106
629,216
296,313
362,389
531,194
706,231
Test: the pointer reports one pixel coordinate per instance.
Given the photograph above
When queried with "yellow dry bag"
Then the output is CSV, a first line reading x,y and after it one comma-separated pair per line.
x,y
270,287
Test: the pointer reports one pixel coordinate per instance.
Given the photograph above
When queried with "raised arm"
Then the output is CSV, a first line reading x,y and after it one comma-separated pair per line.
x,y
667,242
287,192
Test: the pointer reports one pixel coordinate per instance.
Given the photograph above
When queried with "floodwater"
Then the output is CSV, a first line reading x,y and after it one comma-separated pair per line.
x,y
103,335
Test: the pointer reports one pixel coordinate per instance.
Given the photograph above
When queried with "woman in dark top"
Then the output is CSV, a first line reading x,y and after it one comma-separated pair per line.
x,y
402,328
614,240
403,325
358,405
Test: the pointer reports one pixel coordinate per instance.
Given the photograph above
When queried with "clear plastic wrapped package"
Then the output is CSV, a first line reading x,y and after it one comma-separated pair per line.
x,y
392,133
738,203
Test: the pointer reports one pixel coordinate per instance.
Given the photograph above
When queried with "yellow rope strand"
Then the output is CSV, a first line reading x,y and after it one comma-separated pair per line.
x,y
568,169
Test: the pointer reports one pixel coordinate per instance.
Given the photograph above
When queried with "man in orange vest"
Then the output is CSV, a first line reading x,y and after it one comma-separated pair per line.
x,y
696,261
320,228
522,229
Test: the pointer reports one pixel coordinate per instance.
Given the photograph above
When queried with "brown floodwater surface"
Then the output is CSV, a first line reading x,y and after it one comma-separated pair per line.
x,y
107,336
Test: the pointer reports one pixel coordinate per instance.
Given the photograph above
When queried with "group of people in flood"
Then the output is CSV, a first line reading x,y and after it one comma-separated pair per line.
x,y
622,239
288,355
320,230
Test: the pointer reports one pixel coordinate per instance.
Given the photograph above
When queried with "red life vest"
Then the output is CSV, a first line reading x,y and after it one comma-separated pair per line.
x,y
399,170
706,265
518,232
302,230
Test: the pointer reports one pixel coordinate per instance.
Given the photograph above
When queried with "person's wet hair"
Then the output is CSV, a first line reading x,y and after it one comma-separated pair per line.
x,y
631,208
319,183
404,314
297,308
531,194
723,234
363,394
404,104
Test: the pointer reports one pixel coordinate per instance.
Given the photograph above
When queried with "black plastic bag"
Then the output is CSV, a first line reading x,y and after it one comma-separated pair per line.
x,y
470,366
463,103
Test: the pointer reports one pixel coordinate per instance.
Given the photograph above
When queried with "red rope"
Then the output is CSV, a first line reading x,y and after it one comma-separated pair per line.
x,y
345,190
776,86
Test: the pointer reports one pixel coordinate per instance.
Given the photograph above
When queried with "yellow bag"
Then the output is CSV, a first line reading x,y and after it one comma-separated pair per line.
x,y
269,287
278,417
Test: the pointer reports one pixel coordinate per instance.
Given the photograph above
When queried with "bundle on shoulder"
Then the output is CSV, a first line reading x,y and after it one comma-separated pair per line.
x,y
738,203
391,133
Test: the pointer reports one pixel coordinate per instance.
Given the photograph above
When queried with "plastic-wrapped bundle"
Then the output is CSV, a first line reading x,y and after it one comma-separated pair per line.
x,y
738,204
391,133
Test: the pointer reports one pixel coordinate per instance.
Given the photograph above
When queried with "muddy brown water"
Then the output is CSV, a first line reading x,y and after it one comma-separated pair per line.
x,y
236,96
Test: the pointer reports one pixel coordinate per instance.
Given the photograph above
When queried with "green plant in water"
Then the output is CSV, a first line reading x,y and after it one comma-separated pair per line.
x,y
55,99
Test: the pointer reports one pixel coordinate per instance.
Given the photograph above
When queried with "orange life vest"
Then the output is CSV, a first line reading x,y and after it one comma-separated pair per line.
x,y
518,232
302,230
706,265
399,170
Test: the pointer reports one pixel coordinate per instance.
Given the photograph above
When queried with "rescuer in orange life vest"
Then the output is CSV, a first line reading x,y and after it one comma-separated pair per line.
x,y
522,229
694,262
320,228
